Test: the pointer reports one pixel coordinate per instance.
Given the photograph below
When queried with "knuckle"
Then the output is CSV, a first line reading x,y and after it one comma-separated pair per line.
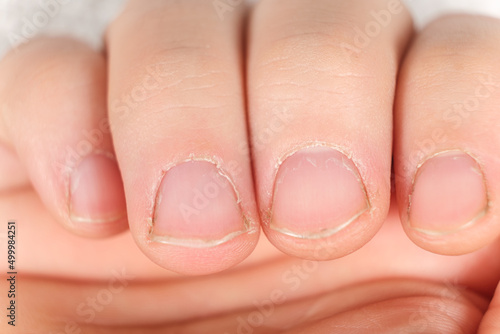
x,y
462,44
67,68
294,64
181,79
197,71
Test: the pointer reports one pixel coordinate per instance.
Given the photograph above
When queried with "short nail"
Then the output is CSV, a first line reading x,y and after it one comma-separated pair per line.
x,y
449,193
318,191
96,191
196,206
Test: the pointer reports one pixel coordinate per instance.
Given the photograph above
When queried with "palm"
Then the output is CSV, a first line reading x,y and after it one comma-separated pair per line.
x,y
60,271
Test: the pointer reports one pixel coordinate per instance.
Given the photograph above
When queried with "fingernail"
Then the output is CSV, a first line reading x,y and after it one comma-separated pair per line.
x,y
96,191
317,192
196,206
449,193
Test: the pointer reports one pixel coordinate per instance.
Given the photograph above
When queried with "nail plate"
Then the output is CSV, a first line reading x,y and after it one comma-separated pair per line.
x,y
196,206
449,194
96,191
318,191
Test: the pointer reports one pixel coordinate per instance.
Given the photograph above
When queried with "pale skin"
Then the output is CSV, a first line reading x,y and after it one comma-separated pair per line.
x,y
238,132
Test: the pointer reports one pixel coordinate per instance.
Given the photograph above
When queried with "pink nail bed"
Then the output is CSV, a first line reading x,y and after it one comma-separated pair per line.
x,y
318,191
96,191
449,193
196,206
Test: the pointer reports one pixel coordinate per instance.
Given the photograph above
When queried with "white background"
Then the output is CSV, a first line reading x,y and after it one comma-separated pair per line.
x,y
87,19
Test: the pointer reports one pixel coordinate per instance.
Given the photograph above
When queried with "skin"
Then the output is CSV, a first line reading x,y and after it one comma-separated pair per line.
x,y
170,89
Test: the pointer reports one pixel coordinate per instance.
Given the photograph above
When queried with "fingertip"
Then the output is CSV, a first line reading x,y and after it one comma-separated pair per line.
x,y
53,93
198,225
321,208
195,261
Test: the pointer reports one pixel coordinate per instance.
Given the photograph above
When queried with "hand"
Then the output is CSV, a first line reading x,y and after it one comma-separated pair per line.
x,y
320,97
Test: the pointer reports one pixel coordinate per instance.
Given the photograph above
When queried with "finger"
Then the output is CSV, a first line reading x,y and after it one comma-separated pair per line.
x,y
178,123
447,136
321,120
490,324
387,306
52,94
439,312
